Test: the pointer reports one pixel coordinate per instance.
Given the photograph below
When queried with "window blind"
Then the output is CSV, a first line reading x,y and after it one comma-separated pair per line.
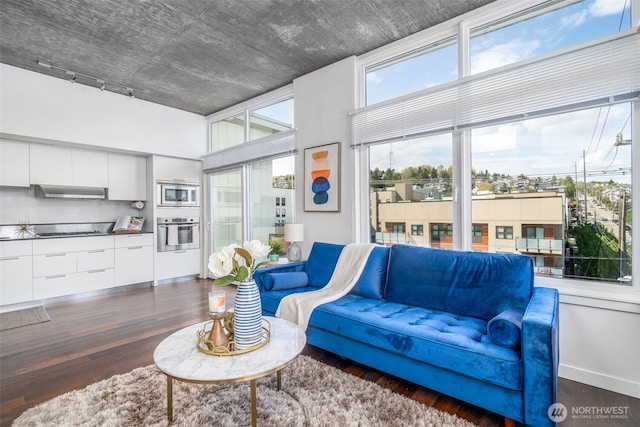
x,y
598,74
269,147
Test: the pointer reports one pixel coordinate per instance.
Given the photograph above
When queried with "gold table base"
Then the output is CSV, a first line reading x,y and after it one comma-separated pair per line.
x,y
254,393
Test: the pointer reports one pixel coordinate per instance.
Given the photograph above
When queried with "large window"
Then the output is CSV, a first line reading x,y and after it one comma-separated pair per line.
x,y
553,26
561,179
251,164
271,189
410,182
534,141
418,70
226,208
271,119
227,133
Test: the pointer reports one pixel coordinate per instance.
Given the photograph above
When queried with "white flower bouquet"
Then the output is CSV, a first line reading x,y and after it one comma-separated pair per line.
x,y
236,263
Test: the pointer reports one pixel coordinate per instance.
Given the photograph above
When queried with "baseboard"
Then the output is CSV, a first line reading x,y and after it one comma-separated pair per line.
x,y
595,379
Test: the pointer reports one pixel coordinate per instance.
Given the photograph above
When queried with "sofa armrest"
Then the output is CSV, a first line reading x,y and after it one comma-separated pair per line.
x,y
258,275
540,355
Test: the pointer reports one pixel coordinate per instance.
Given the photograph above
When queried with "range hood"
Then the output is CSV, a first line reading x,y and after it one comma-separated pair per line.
x,y
70,192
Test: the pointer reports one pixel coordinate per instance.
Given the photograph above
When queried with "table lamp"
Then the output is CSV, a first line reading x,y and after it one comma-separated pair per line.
x,y
294,233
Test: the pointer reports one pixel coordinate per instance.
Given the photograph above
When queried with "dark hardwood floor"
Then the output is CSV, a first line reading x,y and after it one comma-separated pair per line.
x,y
91,339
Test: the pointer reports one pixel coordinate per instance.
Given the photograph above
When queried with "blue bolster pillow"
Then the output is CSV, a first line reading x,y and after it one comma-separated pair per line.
x,y
505,328
281,281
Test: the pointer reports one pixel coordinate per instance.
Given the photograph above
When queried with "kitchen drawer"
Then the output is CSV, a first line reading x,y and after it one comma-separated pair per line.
x,y
68,284
54,264
15,280
133,265
72,244
95,259
13,248
129,240
171,265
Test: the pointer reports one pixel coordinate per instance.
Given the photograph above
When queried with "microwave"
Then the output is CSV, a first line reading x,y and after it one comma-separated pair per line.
x,y
178,194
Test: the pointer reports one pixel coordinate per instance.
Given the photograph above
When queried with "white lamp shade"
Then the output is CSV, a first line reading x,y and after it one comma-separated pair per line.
x,y
293,232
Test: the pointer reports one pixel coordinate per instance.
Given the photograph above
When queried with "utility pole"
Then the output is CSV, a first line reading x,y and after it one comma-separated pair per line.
x,y
622,237
584,176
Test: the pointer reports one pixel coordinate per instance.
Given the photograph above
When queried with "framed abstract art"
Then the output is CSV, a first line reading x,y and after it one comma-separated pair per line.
x,y
322,178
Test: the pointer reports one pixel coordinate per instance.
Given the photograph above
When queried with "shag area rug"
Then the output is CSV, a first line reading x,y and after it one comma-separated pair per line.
x,y
312,394
27,316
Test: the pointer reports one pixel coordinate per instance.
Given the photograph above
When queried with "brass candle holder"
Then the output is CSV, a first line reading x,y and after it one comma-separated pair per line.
x,y
220,341
217,337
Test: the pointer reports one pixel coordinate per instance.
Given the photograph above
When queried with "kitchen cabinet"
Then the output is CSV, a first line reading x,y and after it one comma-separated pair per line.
x,y
90,168
14,164
72,265
127,177
50,165
66,166
178,170
170,265
133,259
16,281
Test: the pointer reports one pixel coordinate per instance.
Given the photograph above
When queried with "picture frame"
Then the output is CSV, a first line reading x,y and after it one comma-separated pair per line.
x,y
322,178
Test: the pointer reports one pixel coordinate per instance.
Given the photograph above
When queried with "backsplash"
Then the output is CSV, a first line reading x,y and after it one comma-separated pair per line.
x,y
20,204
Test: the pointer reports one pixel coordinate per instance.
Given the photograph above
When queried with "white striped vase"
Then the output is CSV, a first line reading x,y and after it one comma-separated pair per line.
x,y
247,327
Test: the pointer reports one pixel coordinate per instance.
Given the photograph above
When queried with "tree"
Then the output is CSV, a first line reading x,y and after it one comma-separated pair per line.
x,y
569,187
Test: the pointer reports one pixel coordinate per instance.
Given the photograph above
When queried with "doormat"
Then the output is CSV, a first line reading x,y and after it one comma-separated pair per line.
x,y
27,316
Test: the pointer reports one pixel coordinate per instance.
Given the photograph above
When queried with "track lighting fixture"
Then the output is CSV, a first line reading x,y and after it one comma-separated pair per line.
x,y
101,84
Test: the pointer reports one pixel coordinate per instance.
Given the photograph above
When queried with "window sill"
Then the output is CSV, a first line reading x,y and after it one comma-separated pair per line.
x,y
595,294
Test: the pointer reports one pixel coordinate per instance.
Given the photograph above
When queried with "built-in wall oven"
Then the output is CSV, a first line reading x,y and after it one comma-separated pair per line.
x,y
175,234
174,194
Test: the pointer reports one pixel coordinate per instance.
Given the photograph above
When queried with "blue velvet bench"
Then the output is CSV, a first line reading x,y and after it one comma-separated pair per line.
x,y
467,324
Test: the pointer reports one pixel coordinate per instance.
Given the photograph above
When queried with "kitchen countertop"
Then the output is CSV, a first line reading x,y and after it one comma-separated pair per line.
x,y
13,236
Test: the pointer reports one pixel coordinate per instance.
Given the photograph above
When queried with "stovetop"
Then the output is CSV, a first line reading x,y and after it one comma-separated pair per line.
x,y
70,234
50,231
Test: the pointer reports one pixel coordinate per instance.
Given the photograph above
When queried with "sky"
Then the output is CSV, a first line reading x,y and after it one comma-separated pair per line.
x,y
543,146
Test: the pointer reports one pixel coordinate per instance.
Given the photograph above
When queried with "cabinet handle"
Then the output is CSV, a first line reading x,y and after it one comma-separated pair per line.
x,y
57,276
179,252
10,259
102,270
96,251
134,247
52,255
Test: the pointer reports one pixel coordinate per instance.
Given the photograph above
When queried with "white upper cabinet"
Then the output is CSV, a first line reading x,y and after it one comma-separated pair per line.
x,y
14,164
179,170
50,165
127,177
90,168
68,166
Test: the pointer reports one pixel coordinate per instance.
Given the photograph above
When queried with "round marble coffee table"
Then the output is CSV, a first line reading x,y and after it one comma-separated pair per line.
x,y
178,357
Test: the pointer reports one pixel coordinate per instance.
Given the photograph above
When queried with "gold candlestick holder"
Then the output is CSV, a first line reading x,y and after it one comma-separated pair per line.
x,y
217,338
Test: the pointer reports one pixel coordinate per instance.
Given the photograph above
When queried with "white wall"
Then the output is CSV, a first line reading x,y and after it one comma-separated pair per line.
x,y
600,339
323,100
34,106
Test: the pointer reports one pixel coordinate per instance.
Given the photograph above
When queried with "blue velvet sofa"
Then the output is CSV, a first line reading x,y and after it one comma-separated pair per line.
x,y
467,324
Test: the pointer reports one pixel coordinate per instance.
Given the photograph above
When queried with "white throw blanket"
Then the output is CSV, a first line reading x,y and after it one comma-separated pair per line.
x,y
297,308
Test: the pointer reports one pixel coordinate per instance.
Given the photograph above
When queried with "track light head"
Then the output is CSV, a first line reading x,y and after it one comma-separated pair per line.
x,y
130,93
71,75
101,84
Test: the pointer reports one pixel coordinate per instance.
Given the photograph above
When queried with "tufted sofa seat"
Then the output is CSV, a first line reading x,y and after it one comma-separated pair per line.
x,y
429,316
449,341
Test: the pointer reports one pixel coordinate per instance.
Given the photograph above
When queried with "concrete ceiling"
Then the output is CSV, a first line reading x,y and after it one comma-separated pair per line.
x,y
205,55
